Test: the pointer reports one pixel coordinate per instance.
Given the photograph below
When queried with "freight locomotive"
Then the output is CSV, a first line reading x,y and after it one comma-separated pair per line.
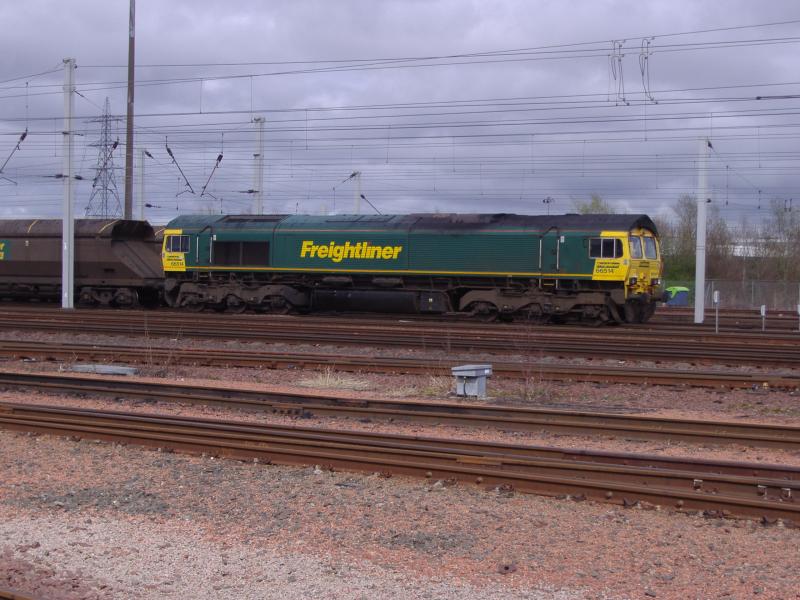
x,y
117,263
589,268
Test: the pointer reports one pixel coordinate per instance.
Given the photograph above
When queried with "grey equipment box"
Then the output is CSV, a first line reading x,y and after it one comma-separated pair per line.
x,y
471,379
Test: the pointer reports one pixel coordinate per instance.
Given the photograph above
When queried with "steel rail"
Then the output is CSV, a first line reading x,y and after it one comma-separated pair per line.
x,y
214,324
664,316
538,371
473,415
781,326
481,462
416,324
647,461
782,318
419,325
733,351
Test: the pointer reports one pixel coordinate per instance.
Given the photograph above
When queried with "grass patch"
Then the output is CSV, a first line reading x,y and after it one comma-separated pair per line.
x,y
331,379
437,386
536,390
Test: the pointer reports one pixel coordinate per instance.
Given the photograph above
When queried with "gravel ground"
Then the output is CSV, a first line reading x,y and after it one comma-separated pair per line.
x,y
129,523
95,520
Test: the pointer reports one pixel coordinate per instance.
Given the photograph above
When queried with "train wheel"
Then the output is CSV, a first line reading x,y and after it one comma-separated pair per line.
x,y
191,303
235,305
631,312
279,306
647,311
485,312
601,318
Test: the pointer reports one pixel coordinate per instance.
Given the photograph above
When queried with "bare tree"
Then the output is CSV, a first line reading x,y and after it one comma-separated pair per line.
x,y
594,206
781,238
679,240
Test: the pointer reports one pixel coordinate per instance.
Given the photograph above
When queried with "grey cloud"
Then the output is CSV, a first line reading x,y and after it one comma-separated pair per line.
x,y
447,162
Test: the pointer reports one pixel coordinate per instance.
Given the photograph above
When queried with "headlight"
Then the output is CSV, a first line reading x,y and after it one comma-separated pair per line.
x,y
632,281
655,281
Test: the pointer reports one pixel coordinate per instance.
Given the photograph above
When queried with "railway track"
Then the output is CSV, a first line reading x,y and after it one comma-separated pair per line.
x,y
731,319
725,488
532,370
665,318
550,420
637,344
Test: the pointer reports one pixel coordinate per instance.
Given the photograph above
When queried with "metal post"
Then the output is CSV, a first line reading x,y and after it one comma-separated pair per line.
x,y
700,259
128,212
763,317
68,225
258,176
141,185
716,311
358,192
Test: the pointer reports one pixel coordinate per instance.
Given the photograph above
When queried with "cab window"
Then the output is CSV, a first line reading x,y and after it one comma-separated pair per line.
x,y
650,248
605,248
636,247
177,243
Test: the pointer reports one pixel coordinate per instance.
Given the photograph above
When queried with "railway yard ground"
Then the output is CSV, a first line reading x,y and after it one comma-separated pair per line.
x,y
223,499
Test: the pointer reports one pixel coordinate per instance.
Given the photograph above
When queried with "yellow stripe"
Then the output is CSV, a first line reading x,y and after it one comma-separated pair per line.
x,y
107,225
405,271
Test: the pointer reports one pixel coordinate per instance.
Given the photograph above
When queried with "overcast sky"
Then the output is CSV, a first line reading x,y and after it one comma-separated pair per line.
x,y
450,105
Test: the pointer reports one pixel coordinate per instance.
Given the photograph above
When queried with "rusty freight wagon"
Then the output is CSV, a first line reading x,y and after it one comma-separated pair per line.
x,y
595,268
117,262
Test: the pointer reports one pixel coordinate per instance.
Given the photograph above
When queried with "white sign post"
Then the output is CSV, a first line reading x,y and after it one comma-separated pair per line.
x,y
763,317
716,311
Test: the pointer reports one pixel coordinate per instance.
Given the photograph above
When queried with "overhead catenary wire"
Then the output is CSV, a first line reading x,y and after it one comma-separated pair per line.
x,y
175,162
307,153
21,139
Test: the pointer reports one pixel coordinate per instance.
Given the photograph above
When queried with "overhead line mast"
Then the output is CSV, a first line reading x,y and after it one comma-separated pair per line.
x,y
68,225
129,121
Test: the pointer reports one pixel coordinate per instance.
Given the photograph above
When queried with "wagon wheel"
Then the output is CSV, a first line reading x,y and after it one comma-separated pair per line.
x,y
194,307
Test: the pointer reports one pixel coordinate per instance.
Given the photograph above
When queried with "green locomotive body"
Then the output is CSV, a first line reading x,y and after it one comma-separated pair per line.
x,y
582,267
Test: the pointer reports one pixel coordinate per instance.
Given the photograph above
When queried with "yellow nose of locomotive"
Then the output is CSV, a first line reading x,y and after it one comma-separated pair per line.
x,y
645,266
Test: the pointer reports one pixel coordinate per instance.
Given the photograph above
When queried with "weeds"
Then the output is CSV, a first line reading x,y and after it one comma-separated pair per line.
x,y
332,379
152,359
536,389
437,386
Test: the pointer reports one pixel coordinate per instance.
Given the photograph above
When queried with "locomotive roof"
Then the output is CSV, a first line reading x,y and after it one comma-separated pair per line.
x,y
103,228
435,221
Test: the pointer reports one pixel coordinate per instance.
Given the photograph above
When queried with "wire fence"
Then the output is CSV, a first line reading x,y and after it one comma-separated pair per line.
x,y
748,294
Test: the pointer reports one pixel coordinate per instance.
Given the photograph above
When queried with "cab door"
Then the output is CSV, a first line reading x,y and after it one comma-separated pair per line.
x,y
550,255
